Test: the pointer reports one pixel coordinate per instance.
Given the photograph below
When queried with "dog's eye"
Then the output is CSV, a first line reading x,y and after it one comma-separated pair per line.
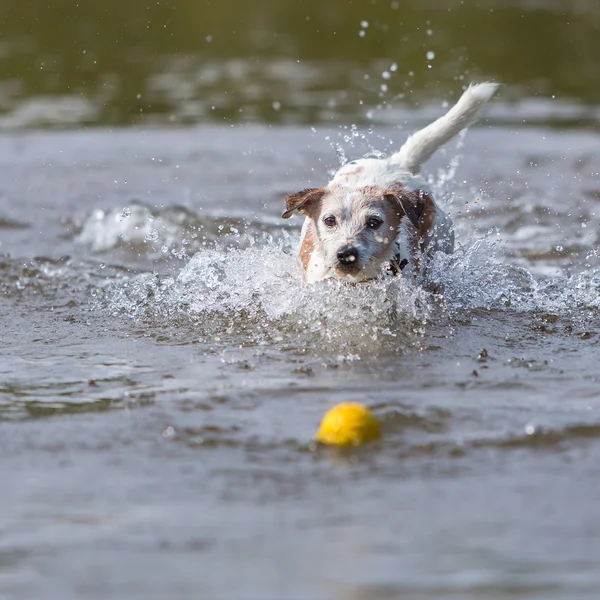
x,y
374,223
329,221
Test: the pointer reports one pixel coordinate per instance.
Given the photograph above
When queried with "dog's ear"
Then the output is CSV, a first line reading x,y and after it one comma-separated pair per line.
x,y
414,203
302,201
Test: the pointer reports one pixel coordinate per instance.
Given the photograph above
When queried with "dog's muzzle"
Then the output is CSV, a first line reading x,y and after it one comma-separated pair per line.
x,y
348,259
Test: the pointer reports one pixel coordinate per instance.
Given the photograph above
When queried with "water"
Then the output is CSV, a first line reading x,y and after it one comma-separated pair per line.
x,y
163,369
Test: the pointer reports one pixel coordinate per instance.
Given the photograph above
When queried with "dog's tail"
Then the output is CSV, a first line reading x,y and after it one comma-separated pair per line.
x,y
419,147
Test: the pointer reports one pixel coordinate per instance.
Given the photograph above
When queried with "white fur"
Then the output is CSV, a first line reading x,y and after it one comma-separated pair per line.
x,y
420,146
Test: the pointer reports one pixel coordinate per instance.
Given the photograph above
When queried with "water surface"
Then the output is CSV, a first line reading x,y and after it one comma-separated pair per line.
x,y
163,369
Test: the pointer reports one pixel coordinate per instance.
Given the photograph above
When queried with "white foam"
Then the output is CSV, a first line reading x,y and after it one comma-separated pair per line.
x,y
257,293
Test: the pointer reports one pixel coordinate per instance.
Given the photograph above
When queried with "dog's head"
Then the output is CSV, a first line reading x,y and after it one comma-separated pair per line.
x,y
355,227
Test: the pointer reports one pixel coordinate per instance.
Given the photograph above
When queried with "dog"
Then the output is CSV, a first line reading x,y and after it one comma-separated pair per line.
x,y
378,215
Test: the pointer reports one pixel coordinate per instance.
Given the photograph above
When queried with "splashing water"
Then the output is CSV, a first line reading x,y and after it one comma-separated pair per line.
x,y
246,284
257,294
473,278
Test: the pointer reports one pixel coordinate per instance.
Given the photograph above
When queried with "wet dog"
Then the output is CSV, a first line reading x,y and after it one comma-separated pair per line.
x,y
379,215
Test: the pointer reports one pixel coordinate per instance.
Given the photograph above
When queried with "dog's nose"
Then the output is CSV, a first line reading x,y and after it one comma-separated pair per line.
x,y
347,255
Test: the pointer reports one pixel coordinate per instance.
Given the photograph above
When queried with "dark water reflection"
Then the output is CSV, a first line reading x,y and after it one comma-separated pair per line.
x,y
311,62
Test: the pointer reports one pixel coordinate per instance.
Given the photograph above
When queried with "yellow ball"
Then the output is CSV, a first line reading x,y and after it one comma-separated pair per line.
x,y
348,424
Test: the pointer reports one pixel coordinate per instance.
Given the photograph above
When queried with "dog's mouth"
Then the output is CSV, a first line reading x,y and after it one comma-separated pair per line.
x,y
356,272
351,273
348,261
348,268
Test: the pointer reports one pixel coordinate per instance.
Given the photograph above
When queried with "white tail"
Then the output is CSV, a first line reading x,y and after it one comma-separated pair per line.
x,y
419,147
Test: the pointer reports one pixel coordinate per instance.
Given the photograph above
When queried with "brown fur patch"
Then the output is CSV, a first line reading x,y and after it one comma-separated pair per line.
x,y
307,247
303,201
394,213
393,218
418,206
420,209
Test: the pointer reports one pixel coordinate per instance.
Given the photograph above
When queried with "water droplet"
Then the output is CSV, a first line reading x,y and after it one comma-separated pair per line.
x,y
386,75
151,236
430,55
364,24
276,105
168,432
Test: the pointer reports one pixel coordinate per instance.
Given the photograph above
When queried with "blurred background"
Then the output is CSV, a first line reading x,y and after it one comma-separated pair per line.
x,y
129,62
